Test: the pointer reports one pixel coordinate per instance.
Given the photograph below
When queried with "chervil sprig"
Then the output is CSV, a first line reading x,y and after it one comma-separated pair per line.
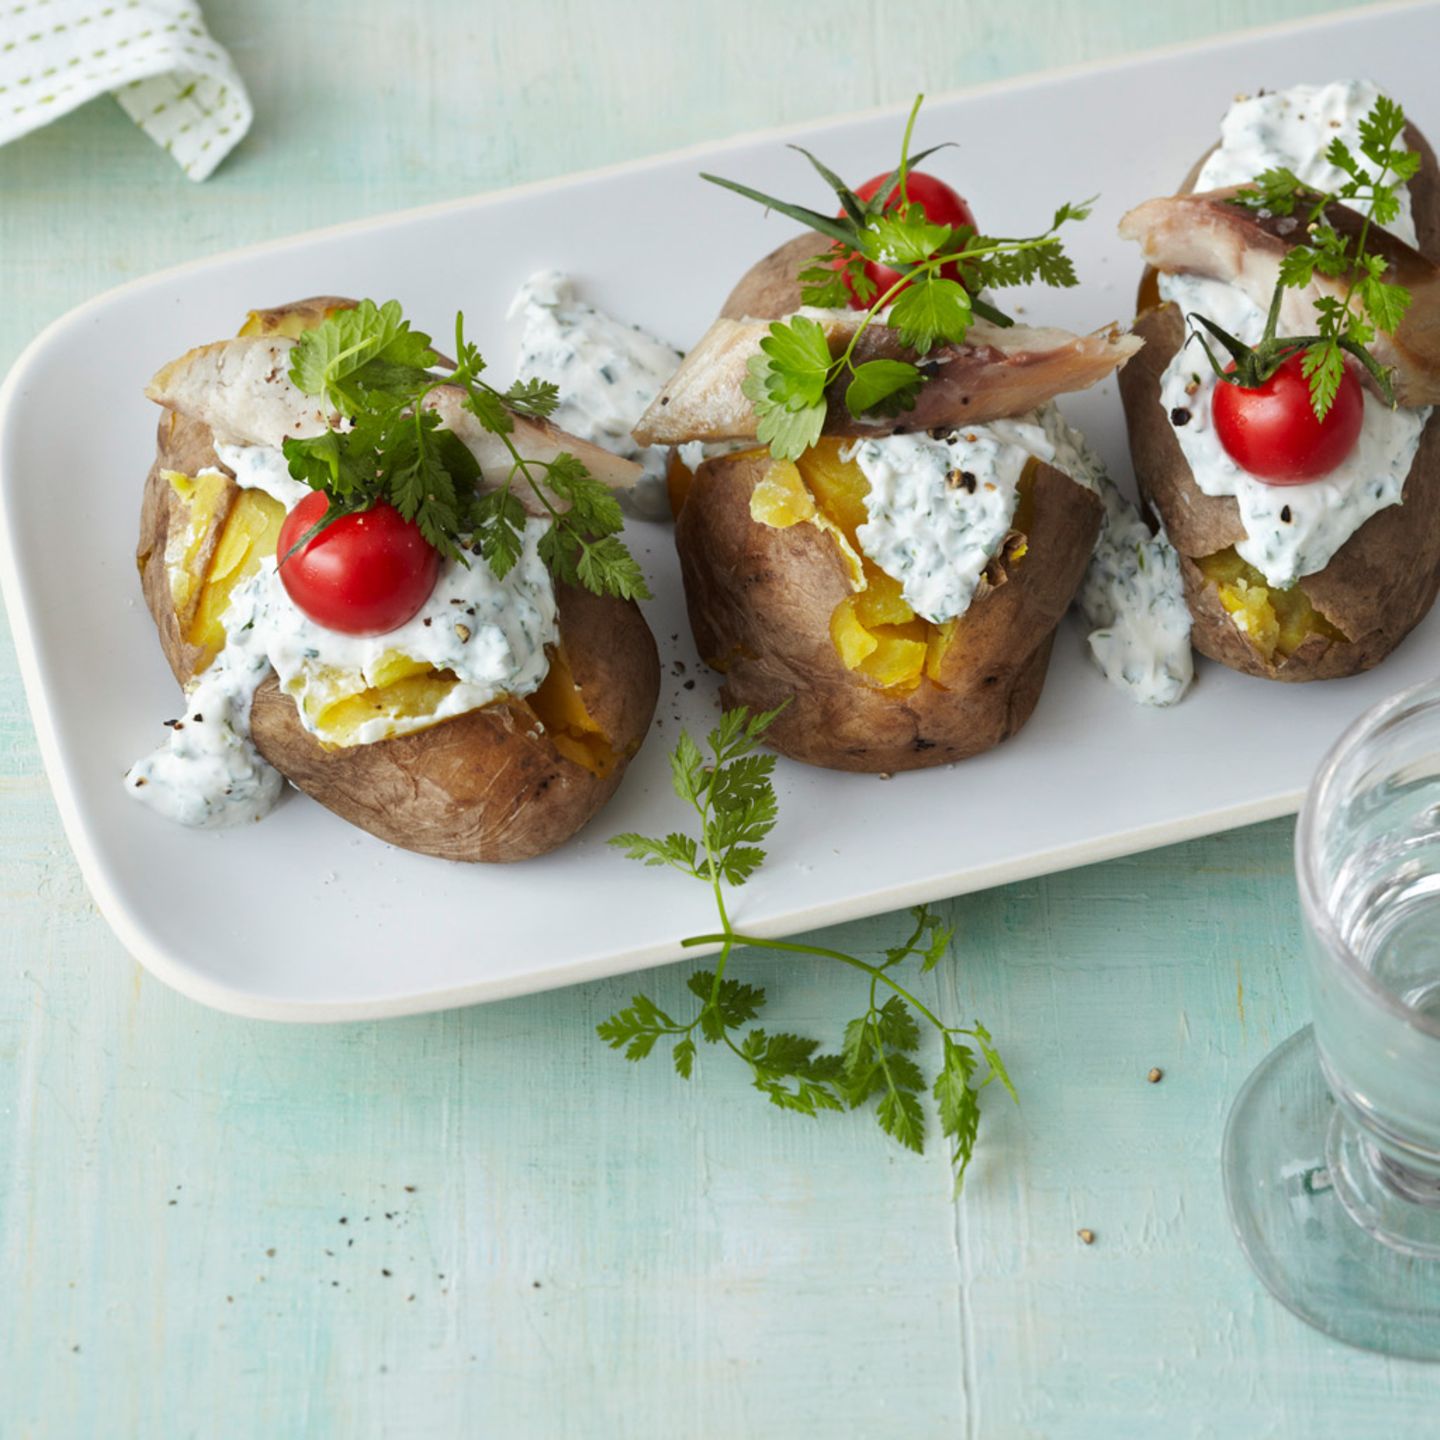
x,y
943,271
377,373
1371,304
730,791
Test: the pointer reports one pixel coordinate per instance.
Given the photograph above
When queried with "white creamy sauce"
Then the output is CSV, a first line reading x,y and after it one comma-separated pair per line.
x,y
939,510
490,633
935,534
1132,596
1133,600
259,467
209,774
1293,128
1290,530
941,505
608,373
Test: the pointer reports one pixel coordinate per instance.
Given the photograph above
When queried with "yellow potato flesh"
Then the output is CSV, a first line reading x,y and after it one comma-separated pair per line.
x,y
560,708
411,697
202,496
1276,622
875,632
781,499
249,535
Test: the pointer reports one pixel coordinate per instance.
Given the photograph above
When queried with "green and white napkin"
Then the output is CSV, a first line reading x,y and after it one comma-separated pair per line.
x,y
155,56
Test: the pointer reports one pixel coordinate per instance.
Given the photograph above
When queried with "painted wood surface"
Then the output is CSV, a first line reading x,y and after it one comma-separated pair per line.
x,y
482,1223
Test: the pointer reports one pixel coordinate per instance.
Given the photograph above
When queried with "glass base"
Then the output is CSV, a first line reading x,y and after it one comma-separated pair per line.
x,y
1313,1257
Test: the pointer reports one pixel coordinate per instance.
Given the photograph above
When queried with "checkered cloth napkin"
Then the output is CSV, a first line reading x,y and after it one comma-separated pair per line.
x,y
155,56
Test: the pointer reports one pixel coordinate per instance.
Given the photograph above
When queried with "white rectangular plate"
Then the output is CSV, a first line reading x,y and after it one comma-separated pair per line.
x,y
303,917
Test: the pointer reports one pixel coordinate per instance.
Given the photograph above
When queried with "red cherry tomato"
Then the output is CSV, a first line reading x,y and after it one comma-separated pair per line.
x,y
1272,432
364,574
942,205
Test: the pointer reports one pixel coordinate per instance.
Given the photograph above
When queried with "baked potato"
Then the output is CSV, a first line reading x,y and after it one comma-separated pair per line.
x,y
508,781
1336,621
770,565
785,605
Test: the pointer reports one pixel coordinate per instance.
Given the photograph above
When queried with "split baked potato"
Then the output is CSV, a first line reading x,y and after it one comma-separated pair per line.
x,y
1377,587
509,781
784,604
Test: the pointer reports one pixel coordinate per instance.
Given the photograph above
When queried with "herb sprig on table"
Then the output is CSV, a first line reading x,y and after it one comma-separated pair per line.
x,y
1371,304
943,270
730,790
377,373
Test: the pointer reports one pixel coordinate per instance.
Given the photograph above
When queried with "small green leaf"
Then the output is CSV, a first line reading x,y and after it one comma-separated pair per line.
x,y
1324,366
636,1028
897,1026
538,398
992,1059
900,1116
676,850
799,354
822,284
1386,304
1297,267
887,386
931,311
903,240
684,1057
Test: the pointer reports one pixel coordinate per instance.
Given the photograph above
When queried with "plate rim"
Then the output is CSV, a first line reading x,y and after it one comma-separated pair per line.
x,y
195,985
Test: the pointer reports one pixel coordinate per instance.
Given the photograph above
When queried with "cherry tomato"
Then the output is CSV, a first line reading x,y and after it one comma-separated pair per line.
x,y
943,206
364,574
1272,432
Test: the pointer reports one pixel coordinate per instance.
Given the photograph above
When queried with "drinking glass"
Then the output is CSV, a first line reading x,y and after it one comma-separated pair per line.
x,y
1332,1149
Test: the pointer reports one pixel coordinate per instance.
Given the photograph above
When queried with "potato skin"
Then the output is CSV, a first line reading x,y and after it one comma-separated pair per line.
x,y
760,601
486,786
1378,586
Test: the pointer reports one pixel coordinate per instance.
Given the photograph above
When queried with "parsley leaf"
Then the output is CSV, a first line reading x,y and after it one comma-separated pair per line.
x,y
823,283
391,446
786,384
728,786
903,239
883,386
356,352
927,313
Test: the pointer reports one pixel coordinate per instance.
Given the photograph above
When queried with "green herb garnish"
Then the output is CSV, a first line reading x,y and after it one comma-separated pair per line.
x,y
731,792
788,379
377,373
1370,305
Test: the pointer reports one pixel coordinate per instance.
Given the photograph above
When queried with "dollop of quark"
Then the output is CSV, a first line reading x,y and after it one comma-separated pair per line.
x,y
939,510
1293,129
608,373
1133,601
940,507
208,774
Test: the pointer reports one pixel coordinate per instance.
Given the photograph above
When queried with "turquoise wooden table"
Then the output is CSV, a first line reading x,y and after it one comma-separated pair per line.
x,y
484,1223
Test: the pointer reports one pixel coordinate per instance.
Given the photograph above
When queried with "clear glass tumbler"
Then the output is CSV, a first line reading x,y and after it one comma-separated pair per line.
x,y
1332,1150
